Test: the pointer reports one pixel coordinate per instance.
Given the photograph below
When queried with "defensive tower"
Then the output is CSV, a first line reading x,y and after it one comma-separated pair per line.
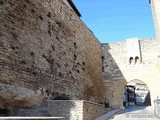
x,y
155,4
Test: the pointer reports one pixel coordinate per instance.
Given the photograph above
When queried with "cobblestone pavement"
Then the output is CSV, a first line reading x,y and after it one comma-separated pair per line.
x,y
136,113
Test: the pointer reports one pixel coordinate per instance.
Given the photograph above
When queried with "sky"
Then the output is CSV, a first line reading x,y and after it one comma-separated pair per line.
x,y
117,20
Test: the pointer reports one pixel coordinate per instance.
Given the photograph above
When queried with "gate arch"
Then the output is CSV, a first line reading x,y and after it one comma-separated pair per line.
x,y
136,92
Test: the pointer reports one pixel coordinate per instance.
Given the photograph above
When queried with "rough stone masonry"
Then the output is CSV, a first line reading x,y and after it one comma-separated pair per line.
x,y
46,52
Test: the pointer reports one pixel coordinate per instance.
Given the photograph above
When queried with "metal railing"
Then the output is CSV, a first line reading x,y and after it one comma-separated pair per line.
x,y
157,107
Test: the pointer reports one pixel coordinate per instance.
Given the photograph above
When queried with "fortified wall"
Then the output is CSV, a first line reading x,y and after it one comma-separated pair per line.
x,y
46,52
125,61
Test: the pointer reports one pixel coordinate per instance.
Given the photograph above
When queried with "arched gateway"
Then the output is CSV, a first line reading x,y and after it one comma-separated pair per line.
x,y
118,71
136,93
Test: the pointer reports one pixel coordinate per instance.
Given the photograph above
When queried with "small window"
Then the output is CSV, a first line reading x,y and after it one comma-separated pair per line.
x,y
136,59
130,60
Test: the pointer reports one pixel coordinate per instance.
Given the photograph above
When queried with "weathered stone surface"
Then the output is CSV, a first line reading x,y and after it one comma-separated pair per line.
x,y
75,109
47,51
44,45
32,118
13,95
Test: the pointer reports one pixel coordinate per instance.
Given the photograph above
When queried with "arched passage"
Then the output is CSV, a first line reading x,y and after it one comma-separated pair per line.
x,y
136,92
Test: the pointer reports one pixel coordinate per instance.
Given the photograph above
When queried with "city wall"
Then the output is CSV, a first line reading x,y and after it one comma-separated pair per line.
x,y
75,110
118,70
46,52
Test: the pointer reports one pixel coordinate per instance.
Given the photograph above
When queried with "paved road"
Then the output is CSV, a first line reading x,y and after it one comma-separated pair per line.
x,y
108,115
136,113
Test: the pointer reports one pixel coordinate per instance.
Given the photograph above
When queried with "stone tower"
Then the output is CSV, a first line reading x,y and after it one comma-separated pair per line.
x,y
155,4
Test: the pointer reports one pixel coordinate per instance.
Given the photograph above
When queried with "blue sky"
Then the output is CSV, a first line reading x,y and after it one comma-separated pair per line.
x,y
116,20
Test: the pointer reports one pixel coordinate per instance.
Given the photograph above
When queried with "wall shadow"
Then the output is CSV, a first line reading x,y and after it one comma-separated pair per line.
x,y
112,76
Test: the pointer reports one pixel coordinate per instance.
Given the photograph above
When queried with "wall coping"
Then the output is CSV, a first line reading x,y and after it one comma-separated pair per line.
x,y
124,41
147,39
78,101
30,118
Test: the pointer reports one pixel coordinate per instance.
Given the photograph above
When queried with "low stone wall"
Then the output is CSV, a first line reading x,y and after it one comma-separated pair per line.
x,y
32,118
75,109
92,110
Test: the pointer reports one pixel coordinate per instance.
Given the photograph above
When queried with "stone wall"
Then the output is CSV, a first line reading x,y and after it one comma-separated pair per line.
x,y
46,49
92,110
31,118
117,70
75,110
